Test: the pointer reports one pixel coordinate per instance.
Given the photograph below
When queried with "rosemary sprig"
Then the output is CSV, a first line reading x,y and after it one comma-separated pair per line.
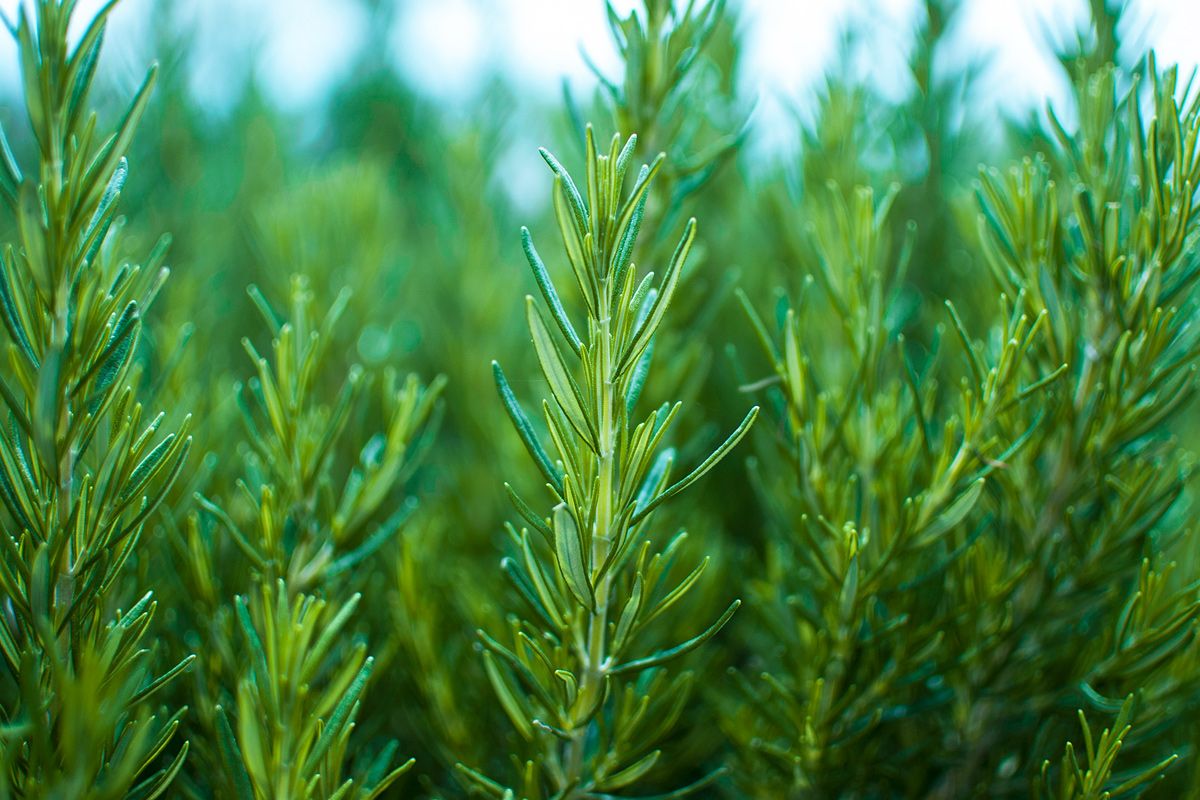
x,y
81,472
586,569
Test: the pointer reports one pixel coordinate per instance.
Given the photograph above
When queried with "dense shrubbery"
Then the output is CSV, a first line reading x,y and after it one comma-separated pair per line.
x,y
281,526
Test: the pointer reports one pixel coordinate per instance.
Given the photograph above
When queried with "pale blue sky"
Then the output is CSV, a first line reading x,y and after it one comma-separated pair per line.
x,y
302,47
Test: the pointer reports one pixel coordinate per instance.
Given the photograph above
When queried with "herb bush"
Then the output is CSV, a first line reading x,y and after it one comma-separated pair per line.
x,y
282,526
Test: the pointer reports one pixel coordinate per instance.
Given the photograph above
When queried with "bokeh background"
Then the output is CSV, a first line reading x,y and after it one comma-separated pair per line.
x,y
390,147
451,52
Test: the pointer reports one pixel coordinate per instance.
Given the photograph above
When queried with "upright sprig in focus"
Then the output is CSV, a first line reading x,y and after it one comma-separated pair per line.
x,y
81,471
676,85
581,679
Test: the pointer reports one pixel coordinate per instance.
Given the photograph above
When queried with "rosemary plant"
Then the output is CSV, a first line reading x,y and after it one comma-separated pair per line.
x,y
81,470
311,528
304,521
587,704
670,68
676,91
965,541
297,705
870,502
951,587
1110,257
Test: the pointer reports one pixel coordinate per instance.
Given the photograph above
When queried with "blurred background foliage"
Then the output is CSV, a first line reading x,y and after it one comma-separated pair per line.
x,y
388,223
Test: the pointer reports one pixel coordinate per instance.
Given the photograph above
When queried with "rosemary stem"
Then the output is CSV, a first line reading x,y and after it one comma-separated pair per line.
x,y
591,683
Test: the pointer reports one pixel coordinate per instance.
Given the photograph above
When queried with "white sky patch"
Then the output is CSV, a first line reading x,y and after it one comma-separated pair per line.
x,y
224,31
789,46
785,48
444,47
1015,39
544,39
1175,32
302,48
310,48
123,57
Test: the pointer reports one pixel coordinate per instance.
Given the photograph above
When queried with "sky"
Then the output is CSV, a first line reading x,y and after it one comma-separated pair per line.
x,y
447,47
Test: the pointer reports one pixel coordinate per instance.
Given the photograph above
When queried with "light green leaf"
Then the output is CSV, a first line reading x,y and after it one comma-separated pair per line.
x,y
562,386
568,546
542,277
513,705
699,471
954,513
630,774
663,656
525,429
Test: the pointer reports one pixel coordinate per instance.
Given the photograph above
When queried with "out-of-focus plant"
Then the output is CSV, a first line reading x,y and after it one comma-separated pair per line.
x,y
338,223
297,705
317,512
871,485
449,289
927,142
587,700
1100,237
938,141
955,662
81,470
307,515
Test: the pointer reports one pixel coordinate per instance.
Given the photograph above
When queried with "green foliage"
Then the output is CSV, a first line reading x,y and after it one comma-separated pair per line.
x,y
674,92
313,524
303,519
81,472
955,558
948,547
581,691
1095,780
1113,274
872,478
295,711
